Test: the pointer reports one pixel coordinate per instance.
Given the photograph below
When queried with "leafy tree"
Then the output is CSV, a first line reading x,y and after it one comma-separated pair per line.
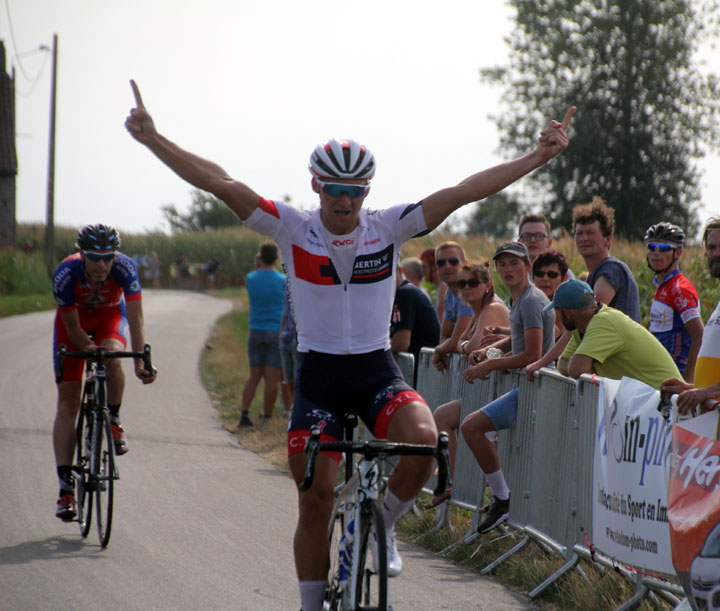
x,y
645,111
206,212
495,217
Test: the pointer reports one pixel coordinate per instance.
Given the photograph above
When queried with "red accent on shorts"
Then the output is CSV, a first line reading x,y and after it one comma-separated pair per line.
x,y
268,206
315,269
297,440
382,423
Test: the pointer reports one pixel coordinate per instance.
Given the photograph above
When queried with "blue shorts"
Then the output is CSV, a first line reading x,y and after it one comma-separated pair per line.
x,y
503,410
288,357
330,385
263,349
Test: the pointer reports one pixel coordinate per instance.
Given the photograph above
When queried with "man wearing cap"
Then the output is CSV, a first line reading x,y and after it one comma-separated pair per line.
x,y
607,342
532,333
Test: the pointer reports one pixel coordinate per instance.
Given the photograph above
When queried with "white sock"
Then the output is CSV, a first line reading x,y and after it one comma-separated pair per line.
x,y
311,595
392,509
498,485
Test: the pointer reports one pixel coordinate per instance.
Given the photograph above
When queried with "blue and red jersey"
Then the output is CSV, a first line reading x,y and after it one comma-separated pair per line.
x,y
675,303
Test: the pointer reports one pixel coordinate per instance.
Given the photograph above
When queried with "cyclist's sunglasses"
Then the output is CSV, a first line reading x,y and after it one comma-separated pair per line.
x,y
655,247
454,261
549,274
336,189
95,257
473,283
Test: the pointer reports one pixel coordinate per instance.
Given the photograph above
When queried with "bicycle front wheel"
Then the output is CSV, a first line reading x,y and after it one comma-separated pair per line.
x,y
105,462
337,582
371,587
83,495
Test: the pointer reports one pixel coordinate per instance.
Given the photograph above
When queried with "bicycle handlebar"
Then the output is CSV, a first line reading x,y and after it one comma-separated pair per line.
x,y
377,448
100,355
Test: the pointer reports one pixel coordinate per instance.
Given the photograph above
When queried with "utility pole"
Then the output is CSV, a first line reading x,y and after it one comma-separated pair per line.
x,y
50,207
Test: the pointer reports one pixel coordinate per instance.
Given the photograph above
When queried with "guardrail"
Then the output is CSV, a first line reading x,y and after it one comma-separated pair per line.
x,y
547,460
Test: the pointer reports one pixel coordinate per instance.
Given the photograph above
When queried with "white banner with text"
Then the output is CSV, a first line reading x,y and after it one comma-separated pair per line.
x,y
630,476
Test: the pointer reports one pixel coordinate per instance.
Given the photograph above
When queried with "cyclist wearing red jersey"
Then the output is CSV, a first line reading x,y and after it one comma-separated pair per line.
x,y
340,261
98,294
675,311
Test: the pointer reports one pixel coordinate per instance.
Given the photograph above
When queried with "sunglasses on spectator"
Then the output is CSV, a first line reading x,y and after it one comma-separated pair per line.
x,y
533,236
654,247
454,261
473,283
95,257
549,274
336,189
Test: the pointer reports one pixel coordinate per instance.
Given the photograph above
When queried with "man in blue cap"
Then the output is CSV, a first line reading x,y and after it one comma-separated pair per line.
x,y
605,341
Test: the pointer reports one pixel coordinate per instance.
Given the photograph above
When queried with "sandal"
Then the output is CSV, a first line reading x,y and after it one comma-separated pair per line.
x,y
439,499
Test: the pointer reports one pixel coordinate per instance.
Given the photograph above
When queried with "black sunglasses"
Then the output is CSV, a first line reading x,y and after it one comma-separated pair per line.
x,y
473,283
454,261
541,274
94,257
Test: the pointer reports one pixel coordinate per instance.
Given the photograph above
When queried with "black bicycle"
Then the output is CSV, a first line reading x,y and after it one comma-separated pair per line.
x,y
356,525
95,469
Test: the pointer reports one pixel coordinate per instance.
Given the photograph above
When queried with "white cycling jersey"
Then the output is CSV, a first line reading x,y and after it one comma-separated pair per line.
x,y
333,317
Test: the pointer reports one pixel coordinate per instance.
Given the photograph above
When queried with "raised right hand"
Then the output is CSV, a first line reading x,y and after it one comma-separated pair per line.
x,y
139,122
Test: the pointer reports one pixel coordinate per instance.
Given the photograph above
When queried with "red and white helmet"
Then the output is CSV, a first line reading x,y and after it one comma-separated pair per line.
x,y
342,159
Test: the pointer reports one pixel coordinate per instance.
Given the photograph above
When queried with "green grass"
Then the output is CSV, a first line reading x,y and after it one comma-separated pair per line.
x,y
10,305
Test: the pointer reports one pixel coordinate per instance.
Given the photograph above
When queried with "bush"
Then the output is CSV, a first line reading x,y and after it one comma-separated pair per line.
x,y
22,273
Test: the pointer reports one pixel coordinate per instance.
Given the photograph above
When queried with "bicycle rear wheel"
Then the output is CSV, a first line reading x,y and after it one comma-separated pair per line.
x,y
371,591
105,463
83,494
333,594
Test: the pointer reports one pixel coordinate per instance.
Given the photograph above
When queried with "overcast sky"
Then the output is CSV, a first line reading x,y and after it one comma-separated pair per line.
x,y
253,85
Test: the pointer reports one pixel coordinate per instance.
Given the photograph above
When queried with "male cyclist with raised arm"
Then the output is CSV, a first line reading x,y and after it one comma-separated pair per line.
x,y
99,297
340,260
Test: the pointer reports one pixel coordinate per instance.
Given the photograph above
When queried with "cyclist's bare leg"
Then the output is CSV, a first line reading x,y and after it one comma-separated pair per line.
x,y
272,376
68,405
412,423
315,506
115,373
474,428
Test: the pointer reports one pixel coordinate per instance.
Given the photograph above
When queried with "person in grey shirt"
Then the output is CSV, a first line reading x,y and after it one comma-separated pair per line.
x,y
532,332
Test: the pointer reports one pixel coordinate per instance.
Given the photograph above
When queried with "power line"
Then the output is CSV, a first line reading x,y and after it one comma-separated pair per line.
x,y
33,81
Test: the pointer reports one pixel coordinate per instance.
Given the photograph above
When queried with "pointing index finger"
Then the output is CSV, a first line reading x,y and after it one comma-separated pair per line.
x,y
566,119
138,97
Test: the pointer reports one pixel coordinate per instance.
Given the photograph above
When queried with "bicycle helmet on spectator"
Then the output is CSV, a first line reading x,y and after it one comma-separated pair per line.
x,y
98,238
665,232
338,159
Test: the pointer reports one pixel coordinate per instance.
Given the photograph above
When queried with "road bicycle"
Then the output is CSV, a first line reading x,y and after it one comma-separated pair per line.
x,y
356,525
95,470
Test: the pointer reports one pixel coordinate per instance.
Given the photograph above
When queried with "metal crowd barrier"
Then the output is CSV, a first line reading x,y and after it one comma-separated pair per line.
x,y
547,460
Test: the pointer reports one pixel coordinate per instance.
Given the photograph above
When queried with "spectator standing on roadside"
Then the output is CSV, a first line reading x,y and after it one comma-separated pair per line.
x,y
265,294
531,335
211,268
288,350
434,285
155,269
414,324
706,384
413,271
607,342
610,278
675,312
477,290
449,259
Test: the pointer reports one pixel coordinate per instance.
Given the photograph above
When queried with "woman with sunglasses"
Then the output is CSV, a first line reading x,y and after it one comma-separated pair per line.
x,y
476,289
550,270
99,299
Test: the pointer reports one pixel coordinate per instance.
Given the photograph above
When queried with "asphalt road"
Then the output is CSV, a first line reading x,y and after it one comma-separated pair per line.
x,y
199,523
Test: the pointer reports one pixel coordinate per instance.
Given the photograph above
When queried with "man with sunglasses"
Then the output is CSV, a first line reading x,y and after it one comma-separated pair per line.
x,y
341,260
98,293
449,259
706,383
675,311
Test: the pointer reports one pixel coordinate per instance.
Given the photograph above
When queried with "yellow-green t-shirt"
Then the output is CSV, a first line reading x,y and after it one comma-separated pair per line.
x,y
621,347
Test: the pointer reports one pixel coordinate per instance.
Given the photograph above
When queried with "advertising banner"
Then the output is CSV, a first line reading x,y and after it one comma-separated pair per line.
x,y
630,474
694,509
